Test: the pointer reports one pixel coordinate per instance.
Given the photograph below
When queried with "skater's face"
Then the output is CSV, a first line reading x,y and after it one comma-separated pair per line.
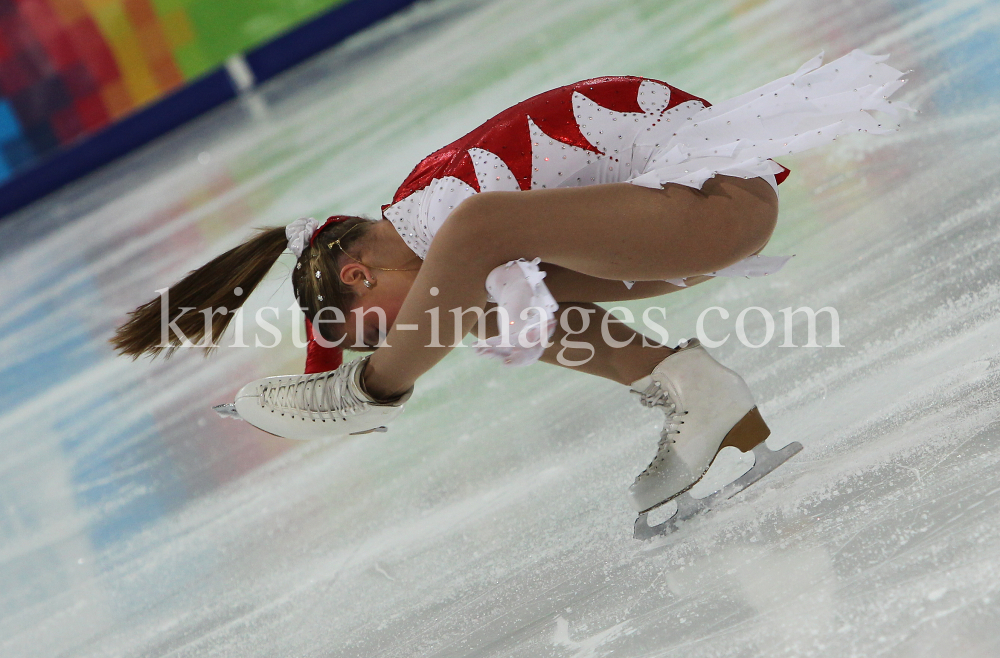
x,y
383,300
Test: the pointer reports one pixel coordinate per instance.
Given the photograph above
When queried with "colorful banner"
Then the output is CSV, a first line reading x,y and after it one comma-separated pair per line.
x,y
71,67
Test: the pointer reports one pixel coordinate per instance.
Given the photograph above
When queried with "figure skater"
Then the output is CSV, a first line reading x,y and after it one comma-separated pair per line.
x,y
610,189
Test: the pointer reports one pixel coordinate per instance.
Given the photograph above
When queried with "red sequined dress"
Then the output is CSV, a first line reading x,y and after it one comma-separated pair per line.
x,y
646,132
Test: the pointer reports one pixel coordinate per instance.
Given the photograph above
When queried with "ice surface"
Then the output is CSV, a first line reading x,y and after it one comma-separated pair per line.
x,y
491,520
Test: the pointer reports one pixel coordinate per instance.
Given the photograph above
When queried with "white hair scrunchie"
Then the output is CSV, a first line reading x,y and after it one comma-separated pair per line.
x,y
300,233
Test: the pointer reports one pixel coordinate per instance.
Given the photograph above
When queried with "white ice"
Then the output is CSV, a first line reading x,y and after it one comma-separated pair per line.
x,y
491,520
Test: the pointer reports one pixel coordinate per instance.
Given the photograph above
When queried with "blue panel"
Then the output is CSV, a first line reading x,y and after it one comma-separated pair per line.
x,y
319,34
9,126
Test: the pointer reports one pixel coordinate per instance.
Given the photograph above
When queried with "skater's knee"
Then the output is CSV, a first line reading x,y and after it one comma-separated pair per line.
x,y
757,231
476,215
741,243
750,211
762,213
757,204
474,228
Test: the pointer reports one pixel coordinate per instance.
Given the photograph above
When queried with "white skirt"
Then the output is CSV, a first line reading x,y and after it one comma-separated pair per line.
x,y
690,143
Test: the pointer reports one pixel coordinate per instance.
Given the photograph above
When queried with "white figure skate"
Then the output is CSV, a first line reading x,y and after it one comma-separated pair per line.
x,y
709,408
320,405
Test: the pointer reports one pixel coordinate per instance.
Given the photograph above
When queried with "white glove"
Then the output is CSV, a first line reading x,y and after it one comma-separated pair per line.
x,y
528,308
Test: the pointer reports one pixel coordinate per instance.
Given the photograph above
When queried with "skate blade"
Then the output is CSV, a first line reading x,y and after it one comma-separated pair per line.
x,y
227,411
765,461
383,428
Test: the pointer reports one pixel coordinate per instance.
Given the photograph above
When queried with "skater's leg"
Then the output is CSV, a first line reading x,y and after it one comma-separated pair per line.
x,y
569,286
618,231
625,232
584,348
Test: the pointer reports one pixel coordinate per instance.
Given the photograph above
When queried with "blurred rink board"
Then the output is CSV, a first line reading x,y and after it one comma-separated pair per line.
x,y
83,82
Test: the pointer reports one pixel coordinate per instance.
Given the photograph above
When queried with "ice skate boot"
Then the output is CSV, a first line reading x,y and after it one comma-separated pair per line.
x,y
708,408
319,405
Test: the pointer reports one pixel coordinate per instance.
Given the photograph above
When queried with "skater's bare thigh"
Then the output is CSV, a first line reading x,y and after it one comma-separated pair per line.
x,y
621,231
569,286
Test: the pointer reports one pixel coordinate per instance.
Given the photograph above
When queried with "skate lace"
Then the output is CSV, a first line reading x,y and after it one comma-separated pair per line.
x,y
324,395
656,396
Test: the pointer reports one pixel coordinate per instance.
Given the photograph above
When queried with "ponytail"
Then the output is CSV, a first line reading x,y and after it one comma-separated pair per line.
x,y
209,289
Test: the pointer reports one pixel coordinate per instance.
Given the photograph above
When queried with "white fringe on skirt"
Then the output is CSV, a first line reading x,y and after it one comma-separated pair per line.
x,y
808,108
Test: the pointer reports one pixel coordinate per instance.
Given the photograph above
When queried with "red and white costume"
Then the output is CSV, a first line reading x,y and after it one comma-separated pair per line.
x,y
643,132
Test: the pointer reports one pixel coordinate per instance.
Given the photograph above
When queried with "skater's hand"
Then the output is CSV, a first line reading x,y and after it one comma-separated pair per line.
x,y
524,349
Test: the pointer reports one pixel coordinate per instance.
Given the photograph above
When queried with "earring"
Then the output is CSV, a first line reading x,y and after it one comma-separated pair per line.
x,y
369,284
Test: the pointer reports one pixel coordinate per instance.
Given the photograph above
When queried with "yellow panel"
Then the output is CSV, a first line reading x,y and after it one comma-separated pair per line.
x,y
177,28
124,44
96,6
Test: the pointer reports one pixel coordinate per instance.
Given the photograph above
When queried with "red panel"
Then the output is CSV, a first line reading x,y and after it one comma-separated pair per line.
x,y
17,74
86,38
60,49
45,25
91,112
78,80
14,32
66,124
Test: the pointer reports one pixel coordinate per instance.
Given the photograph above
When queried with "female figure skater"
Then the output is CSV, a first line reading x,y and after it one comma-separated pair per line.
x,y
610,189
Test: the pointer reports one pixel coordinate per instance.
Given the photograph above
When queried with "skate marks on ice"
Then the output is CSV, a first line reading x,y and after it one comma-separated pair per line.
x,y
710,490
588,647
854,553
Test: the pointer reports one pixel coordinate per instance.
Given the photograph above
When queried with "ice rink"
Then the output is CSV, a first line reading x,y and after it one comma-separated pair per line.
x,y
491,520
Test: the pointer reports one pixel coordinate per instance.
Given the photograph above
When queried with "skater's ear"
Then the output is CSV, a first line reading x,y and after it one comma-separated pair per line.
x,y
354,276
